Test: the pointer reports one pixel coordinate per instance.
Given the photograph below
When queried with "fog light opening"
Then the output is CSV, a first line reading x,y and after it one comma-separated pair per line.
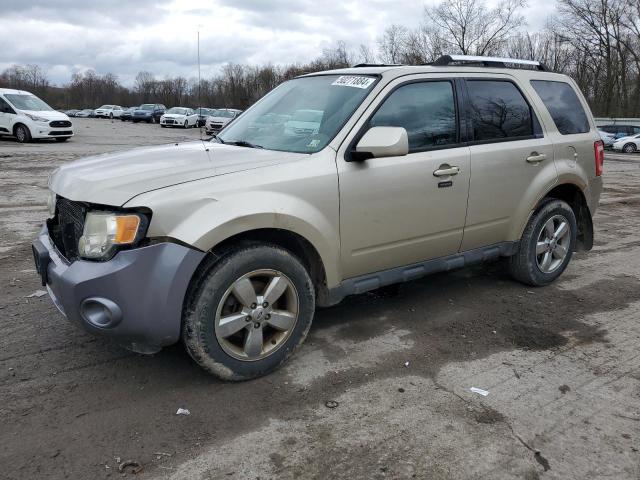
x,y
100,312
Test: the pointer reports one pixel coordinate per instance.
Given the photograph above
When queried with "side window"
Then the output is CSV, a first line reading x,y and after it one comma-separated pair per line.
x,y
5,107
563,106
426,110
498,110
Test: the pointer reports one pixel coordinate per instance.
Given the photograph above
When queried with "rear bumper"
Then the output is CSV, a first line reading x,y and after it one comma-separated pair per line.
x,y
136,298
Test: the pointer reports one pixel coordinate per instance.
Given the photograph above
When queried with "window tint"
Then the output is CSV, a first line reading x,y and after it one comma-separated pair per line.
x,y
563,106
498,110
426,110
4,106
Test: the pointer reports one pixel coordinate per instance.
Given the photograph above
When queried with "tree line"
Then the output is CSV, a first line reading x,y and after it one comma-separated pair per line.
x,y
597,42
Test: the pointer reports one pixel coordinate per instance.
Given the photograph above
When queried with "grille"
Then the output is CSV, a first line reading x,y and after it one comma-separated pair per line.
x,y
168,121
66,227
60,123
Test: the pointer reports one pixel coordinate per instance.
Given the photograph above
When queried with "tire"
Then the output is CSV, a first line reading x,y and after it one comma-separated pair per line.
x,y
62,139
529,265
629,148
229,357
22,133
134,121
186,124
111,116
163,126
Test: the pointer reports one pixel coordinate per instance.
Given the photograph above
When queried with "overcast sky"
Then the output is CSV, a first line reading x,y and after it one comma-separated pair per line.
x,y
126,36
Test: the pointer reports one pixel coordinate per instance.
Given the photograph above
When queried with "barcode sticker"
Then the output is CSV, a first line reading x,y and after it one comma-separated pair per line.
x,y
354,81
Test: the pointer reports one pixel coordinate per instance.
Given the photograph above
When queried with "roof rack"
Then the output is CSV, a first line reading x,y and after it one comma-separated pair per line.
x,y
495,62
362,65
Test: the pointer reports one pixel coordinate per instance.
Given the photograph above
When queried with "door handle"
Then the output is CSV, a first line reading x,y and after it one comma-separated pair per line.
x,y
446,171
535,157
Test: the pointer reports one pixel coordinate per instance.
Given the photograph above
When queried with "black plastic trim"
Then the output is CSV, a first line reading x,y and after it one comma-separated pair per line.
x,y
372,281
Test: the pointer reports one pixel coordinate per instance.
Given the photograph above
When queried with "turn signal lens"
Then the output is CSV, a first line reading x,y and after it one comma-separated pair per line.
x,y
126,228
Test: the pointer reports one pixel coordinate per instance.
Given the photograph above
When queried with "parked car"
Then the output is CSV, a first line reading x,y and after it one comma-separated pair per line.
x,y
608,139
620,131
149,112
71,113
230,244
304,122
203,114
86,113
109,111
268,123
179,117
127,113
627,144
26,117
219,119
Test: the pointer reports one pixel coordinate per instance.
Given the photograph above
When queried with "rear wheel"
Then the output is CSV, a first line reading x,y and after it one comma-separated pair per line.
x,y
248,312
629,148
22,133
546,246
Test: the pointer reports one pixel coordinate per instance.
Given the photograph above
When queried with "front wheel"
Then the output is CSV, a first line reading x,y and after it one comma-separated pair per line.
x,y
546,245
629,148
186,124
23,135
248,312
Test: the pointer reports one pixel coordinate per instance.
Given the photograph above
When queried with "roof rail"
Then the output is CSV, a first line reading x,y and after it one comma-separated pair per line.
x,y
362,65
496,62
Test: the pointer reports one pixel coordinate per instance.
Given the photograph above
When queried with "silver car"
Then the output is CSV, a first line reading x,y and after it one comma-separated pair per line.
x,y
230,245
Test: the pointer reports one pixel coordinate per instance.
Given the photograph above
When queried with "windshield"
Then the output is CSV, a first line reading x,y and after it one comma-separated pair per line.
x,y
106,107
147,106
301,115
177,110
27,102
223,114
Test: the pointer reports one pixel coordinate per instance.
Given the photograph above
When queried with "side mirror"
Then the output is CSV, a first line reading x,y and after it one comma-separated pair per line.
x,y
381,142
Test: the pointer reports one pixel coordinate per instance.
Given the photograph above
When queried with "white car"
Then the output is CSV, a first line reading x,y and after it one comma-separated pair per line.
x,y
109,111
179,117
303,122
25,116
219,119
627,144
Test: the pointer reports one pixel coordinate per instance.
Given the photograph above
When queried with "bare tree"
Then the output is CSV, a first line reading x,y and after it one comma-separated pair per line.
x,y
470,27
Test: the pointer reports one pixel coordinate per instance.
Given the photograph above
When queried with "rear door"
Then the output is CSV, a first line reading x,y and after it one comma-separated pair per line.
x,y
511,160
396,211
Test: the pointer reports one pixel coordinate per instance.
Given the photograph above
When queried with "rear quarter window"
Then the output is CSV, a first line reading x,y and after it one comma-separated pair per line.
x,y
563,106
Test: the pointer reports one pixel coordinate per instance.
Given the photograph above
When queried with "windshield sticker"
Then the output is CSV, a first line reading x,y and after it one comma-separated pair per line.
x,y
354,81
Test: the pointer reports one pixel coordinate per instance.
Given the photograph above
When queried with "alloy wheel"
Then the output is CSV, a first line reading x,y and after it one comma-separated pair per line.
x,y
553,244
256,315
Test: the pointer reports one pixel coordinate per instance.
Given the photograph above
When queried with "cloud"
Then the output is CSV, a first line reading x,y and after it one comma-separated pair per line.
x,y
126,36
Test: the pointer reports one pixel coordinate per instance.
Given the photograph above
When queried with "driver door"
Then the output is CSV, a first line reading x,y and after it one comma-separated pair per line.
x,y
396,211
7,114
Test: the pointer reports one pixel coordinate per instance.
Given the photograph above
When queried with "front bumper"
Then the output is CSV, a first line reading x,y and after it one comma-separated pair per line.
x,y
51,132
135,298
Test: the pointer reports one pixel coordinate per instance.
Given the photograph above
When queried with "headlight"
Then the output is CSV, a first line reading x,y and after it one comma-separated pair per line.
x,y
104,232
51,204
36,118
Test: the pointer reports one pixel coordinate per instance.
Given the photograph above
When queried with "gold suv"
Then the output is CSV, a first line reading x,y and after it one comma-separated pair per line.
x,y
333,184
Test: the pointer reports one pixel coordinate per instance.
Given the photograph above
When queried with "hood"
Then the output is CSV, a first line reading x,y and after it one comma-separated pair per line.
x,y
48,114
115,178
145,112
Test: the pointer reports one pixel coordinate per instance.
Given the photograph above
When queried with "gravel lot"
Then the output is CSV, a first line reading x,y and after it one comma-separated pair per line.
x,y
561,364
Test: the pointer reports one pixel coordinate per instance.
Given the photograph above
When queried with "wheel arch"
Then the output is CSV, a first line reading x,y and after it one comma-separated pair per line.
x,y
574,196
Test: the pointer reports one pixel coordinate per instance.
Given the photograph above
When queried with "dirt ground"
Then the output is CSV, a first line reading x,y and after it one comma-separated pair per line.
x,y
561,364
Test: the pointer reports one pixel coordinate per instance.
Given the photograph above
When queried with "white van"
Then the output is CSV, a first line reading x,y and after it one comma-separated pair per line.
x,y
25,116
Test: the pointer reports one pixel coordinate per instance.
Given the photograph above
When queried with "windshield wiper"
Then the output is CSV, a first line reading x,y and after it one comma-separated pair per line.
x,y
217,138
244,143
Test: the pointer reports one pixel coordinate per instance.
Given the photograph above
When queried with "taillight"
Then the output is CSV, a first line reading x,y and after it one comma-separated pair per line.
x,y
598,148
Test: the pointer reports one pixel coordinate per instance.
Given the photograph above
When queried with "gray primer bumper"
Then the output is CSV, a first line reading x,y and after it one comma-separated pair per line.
x,y
147,284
